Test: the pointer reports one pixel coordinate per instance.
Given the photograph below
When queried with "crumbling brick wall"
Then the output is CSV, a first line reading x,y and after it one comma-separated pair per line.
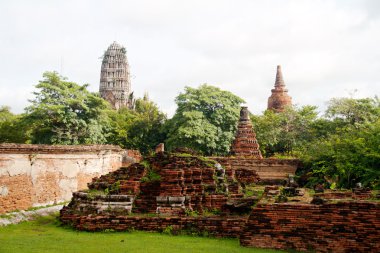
x,y
217,226
335,227
266,170
34,175
183,182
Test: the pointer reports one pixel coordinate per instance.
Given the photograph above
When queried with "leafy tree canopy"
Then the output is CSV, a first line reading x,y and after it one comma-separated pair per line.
x,y
205,120
353,111
345,148
140,128
283,132
339,149
344,158
64,112
12,127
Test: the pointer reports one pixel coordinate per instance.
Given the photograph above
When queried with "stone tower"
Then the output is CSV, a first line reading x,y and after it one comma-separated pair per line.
x,y
245,143
279,98
115,84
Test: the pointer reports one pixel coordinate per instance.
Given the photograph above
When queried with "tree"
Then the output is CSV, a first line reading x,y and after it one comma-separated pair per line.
x,y
284,132
353,111
346,145
345,158
64,112
12,127
146,132
205,120
120,123
140,128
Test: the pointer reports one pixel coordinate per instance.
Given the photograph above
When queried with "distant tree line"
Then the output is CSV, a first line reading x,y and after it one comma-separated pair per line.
x,y
338,148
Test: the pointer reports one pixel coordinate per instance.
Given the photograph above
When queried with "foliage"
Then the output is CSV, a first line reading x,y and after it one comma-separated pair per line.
x,y
211,212
191,213
138,129
205,120
350,152
339,148
281,199
354,112
346,157
12,127
284,132
64,112
253,191
93,193
151,176
113,188
145,163
168,230
146,132
120,122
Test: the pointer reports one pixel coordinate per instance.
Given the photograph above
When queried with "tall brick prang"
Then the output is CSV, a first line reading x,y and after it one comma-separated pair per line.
x,y
115,84
245,143
279,98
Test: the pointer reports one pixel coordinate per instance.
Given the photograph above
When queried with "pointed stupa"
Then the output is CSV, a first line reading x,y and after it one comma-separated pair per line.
x,y
279,79
245,142
115,84
279,98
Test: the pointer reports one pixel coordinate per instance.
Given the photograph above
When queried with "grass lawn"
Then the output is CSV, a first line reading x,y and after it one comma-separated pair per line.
x,y
45,235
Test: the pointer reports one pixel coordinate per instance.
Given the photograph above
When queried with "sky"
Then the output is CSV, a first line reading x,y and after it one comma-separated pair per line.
x,y
327,48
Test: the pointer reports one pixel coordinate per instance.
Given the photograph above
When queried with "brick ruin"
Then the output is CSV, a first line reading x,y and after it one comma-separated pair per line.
x,y
191,194
166,184
279,99
39,175
198,195
115,83
245,142
188,193
268,170
333,227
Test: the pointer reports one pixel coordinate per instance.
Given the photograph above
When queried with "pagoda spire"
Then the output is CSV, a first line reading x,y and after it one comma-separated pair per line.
x,y
279,99
115,83
245,142
279,79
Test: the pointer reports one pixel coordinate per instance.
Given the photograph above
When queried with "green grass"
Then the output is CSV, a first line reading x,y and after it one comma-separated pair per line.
x,y
46,235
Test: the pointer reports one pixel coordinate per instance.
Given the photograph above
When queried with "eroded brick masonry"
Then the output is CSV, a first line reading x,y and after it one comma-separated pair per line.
x,y
37,175
334,227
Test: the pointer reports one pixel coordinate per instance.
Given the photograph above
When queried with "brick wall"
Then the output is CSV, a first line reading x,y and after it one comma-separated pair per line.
x,y
217,226
339,227
268,170
185,182
35,175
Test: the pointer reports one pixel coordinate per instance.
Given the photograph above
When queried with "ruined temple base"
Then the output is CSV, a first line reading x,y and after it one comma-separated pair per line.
x,y
269,171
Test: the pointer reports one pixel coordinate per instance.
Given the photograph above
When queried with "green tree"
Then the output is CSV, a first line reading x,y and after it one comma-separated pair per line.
x,y
350,111
346,145
205,120
146,130
283,133
121,121
12,127
64,112
140,128
345,158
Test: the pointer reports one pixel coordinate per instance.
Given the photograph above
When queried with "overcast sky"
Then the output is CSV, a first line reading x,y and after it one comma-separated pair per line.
x,y
326,48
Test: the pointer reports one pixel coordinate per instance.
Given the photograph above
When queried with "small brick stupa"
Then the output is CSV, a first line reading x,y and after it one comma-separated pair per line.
x,y
245,143
279,98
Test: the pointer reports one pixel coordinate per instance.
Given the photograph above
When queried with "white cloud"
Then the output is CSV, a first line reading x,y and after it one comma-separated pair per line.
x,y
326,48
